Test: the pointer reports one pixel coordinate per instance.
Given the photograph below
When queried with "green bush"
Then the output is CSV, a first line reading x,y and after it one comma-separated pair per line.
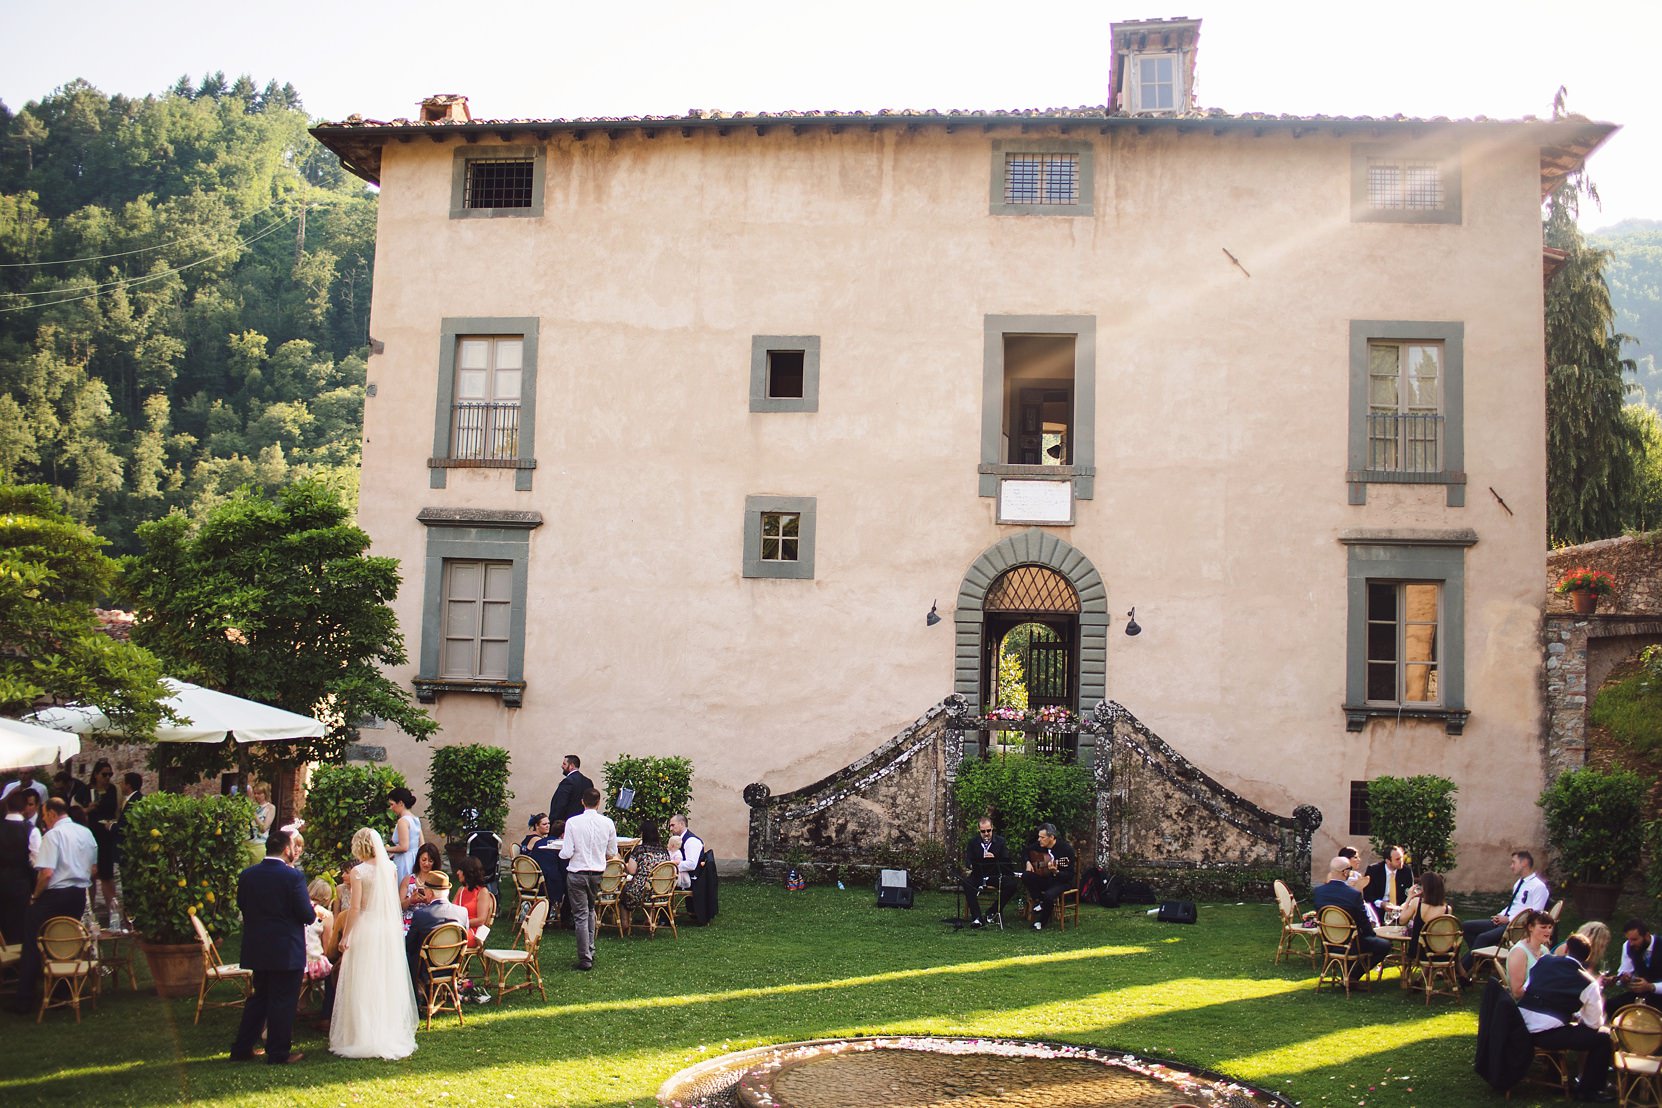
x,y
463,777
663,787
1021,791
1631,709
1595,823
181,857
1417,814
340,800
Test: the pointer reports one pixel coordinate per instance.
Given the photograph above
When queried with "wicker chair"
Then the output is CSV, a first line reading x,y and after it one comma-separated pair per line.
x,y
441,954
504,962
529,886
660,899
1438,959
1637,1031
11,954
1293,928
608,902
1340,951
215,972
69,957
1493,958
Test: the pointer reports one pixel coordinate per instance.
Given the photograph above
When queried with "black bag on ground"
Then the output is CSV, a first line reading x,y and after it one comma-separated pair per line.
x,y
1132,891
1177,911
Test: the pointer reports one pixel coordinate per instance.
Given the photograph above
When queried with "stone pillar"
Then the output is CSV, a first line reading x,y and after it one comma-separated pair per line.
x,y
1565,638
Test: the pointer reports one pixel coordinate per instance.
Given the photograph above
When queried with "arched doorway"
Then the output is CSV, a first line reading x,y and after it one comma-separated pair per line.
x,y
1030,639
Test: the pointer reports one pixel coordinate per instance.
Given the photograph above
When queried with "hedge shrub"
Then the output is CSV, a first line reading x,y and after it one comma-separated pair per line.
x,y
663,788
463,777
1021,791
340,800
181,857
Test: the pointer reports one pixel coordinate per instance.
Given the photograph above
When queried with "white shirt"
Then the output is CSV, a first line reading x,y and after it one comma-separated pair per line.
x,y
692,849
1591,1014
34,838
589,840
70,852
1627,956
1529,892
11,787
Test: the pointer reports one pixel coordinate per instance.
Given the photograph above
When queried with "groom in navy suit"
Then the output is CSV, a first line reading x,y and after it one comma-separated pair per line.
x,y
275,911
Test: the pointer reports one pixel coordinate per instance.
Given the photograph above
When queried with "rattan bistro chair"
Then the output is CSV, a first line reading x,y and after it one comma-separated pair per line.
x,y
215,972
11,955
608,902
1294,931
441,956
1438,959
529,886
1493,958
68,956
1637,1031
660,899
504,962
1340,951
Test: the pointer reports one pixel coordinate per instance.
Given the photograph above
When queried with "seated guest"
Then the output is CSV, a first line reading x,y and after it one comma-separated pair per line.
x,y
1598,941
537,829
987,865
1388,882
1640,968
1529,892
546,853
1337,892
646,857
427,860
475,898
1354,877
1049,873
692,848
683,880
432,910
1426,901
1563,1007
1535,945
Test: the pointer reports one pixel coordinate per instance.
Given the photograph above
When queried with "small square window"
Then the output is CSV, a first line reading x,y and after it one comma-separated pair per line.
x,y
1041,177
498,183
785,369
1415,182
779,537
784,373
1361,817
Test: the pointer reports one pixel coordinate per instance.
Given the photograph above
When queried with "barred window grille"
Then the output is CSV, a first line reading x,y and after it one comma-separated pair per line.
x,y
1361,817
498,183
1403,185
1041,179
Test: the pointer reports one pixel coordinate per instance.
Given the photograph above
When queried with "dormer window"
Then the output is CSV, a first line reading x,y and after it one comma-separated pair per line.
x,y
1153,67
1157,83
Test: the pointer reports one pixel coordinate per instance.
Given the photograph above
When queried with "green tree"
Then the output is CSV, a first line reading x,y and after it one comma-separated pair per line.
x,y
52,573
1590,448
275,598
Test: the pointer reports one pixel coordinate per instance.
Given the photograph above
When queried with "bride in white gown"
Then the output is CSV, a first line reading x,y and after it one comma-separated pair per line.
x,y
375,1012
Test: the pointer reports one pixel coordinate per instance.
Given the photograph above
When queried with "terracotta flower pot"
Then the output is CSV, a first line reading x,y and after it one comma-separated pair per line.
x,y
1584,601
1593,901
175,967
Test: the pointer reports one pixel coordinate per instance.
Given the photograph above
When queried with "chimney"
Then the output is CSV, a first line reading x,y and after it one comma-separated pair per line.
x,y
1152,71
445,107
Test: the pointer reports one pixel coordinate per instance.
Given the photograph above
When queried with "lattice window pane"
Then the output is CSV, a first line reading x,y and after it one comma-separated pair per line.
x,y
1031,589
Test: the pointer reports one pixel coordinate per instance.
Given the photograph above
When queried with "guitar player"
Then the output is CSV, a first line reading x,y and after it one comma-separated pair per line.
x,y
1050,871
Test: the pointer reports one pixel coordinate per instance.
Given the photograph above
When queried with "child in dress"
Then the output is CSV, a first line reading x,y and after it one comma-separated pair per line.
x,y
682,880
320,932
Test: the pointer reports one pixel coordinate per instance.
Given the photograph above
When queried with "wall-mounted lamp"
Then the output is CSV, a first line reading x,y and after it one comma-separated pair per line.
x,y
376,346
933,617
1132,628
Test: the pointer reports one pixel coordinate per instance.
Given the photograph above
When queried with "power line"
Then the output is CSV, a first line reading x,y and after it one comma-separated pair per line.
x,y
147,278
128,253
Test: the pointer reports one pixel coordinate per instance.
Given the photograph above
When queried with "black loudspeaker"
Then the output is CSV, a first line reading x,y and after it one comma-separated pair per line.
x,y
894,889
1177,911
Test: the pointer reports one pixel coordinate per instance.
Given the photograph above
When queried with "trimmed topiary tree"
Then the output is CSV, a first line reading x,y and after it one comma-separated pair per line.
x,y
663,787
1417,814
464,777
340,800
181,857
1595,823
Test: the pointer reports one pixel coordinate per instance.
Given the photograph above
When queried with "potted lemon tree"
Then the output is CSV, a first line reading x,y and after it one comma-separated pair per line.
x,y
1595,826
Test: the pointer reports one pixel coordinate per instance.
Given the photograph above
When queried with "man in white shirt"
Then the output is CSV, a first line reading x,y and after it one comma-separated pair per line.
x,y
1563,1008
590,839
25,780
1528,892
66,860
692,848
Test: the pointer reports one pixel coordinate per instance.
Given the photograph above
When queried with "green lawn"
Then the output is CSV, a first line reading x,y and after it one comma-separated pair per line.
x,y
778,966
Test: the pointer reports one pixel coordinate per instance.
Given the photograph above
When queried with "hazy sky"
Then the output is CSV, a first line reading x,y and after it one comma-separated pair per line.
x,y
1457,58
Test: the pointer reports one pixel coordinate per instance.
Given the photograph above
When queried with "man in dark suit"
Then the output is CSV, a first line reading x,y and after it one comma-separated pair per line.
x,y
1336,892
568,797
987,865
275,911
1388,882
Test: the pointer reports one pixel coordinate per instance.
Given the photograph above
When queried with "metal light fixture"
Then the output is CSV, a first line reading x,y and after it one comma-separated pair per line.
x,y
933,617
1132,628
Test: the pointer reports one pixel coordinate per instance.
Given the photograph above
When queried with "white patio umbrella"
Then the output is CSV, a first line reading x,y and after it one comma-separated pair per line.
x,y
26,745
206,717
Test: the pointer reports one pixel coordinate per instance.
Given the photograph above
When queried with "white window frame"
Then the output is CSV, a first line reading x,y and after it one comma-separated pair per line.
x,y
1176,61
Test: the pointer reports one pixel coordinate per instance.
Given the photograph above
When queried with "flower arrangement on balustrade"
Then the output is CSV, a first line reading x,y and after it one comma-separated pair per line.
x,y
1052,717
1586,579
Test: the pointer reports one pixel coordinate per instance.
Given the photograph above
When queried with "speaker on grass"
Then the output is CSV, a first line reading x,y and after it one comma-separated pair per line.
x,y
1177,911
894,888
